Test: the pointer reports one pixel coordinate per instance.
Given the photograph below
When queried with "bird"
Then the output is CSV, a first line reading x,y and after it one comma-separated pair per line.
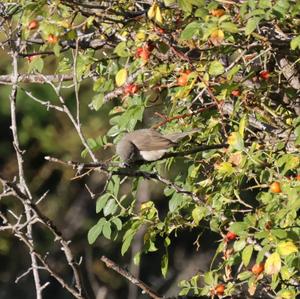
x,y
147,144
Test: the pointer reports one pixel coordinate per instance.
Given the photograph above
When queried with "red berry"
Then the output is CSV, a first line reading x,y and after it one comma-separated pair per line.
x,y
52,39
34,24
184,78
143,53
258,268
264,75
236,93
218,12
219,289
231,236
275,187
160,30
131,89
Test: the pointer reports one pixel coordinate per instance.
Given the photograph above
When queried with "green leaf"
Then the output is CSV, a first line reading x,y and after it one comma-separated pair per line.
x,y
101,202
216,68
265,4
110,207
121,77
251,25
169,2
56,50
209,278
239,245
233,72
37,64
98,101
295,42
242,126
106,230
235,140
95,231
229,27
175,202
117,222
238,227
225,168
244,275
279,233
190,30
246,255
261,254
164,265
198,214
127,240
116,180
122,50
185,5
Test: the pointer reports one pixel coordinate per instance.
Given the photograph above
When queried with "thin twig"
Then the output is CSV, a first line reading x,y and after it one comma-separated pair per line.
x,y
32,78
146,289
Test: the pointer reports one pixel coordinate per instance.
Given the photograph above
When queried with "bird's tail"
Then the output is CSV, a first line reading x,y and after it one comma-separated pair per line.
x,y
176,137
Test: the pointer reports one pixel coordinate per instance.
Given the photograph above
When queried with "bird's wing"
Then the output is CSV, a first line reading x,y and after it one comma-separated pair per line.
x,y
176,137
151,140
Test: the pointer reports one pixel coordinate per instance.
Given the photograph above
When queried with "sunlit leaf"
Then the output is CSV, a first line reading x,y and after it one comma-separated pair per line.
x,y
273,264
286,248
121,77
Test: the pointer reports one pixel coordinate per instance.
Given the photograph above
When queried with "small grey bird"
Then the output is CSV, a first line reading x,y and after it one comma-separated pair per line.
x,y
147,144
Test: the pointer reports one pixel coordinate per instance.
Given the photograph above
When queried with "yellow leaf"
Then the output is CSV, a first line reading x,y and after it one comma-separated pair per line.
x,y
141,36
217,37
286,294
152,11
242,126
235,140
273,264
225,168
158,16
286,248
121,77
286,273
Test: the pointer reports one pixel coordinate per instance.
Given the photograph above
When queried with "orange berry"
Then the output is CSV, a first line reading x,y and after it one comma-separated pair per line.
x,y
33,24
258,268
298,177
160,30
131,89
143,53
182,80
264,75
231,236
219,289
236,93
52,39
275,187
218,12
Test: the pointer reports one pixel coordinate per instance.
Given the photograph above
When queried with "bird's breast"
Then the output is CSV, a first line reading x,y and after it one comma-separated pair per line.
x,y
152,155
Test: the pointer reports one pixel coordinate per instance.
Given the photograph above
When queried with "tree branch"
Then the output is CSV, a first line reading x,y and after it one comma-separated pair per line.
x,y
31,78
146,289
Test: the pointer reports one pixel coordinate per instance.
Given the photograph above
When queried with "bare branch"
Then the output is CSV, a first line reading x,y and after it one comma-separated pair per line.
x,y
146,289
31,78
